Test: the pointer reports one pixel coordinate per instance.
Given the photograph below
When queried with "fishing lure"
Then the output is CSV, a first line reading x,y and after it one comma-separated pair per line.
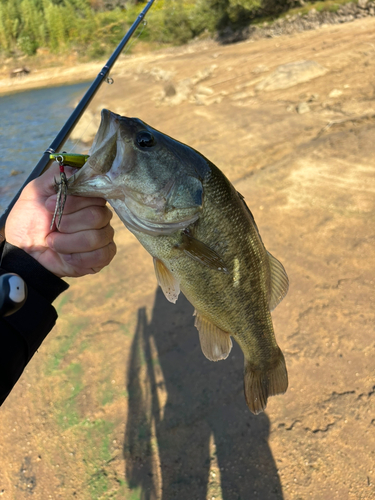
x,y
64,160
70,159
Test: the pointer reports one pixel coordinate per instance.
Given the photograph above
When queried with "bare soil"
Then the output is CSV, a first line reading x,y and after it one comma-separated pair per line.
x,y
119,402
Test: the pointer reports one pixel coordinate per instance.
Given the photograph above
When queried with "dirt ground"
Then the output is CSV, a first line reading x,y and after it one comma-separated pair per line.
x,y
119,402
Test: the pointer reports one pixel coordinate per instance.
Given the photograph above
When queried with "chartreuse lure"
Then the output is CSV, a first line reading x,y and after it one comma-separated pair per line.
x,y
70,159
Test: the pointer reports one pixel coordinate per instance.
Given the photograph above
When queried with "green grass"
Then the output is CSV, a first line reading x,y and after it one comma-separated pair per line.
x,y
135,494
110,293
64,300
65,345
67,406
107,392
97,436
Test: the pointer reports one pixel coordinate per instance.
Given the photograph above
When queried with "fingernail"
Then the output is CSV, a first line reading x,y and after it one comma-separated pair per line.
x,y
50,242
51,203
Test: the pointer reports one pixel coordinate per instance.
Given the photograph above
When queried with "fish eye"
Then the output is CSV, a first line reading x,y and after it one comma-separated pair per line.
x,y
145,139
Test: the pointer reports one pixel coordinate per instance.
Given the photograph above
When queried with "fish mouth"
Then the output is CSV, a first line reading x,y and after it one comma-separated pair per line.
x,y
119,170
109,125
95,178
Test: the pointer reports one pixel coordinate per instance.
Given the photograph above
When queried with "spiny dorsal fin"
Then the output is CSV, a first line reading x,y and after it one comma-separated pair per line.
x,y
215,343
166,280
279,282
201,252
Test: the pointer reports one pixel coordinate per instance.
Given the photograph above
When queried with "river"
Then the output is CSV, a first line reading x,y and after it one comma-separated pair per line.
x,y
29,123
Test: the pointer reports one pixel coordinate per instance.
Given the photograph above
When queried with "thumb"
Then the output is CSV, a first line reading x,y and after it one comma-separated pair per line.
x,y
45,184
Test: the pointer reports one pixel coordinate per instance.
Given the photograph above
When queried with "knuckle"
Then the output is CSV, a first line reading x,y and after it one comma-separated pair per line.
x,y
94,217
99,216
99,238
108,213
111,232
77,260
111,250
105,255
94,238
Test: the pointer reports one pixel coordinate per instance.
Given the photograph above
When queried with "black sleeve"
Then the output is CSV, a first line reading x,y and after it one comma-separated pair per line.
x,y
22,333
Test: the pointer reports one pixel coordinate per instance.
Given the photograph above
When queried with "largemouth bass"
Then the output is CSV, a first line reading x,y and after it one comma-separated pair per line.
x,y
202,237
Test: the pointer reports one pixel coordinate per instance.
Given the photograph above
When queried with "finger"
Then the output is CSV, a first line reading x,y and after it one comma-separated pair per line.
x,y
92,217
43,186
83,241
73,203
91,262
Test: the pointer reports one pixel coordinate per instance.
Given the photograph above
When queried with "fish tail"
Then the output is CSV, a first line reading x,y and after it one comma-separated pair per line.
x,y
260,384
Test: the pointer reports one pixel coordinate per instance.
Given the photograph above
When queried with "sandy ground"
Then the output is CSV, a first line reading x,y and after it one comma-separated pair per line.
x,y
119,402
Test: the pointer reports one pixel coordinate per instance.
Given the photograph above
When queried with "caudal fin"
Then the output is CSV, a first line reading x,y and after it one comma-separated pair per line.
x,y
259,385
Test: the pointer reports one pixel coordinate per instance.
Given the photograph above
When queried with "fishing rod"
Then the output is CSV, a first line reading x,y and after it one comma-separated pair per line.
x,y
13,290
62,136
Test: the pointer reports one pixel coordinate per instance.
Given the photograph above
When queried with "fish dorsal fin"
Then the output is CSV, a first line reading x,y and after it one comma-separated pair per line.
x,y
201,252
215,343
166,280
279,282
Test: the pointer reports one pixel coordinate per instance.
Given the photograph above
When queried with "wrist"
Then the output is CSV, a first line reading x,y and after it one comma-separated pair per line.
x,y
16,260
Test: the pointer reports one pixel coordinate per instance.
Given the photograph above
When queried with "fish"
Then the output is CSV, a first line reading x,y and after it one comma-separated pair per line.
x,y
203,239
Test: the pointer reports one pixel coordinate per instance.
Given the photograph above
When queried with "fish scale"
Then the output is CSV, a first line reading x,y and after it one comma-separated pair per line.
x,y
203,239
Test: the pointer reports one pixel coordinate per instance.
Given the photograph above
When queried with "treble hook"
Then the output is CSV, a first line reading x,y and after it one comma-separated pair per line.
x,y
62,191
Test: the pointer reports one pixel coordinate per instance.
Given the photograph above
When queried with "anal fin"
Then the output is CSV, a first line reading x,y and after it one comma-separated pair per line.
x,y
215,343
166,280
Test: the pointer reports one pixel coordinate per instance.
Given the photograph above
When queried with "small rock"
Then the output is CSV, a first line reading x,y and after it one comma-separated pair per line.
x,y
302,108
169,89
201,89
15,172
313,97
335,93
362,3
242,95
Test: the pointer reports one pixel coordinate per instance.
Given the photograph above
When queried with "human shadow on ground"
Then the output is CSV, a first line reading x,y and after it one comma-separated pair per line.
x,y
204,402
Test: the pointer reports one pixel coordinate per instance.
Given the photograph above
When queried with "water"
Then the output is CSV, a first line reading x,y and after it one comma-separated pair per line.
x,y
29,123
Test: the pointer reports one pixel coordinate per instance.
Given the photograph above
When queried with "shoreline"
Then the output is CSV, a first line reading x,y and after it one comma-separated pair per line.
x,y
50,77
63,74
294,25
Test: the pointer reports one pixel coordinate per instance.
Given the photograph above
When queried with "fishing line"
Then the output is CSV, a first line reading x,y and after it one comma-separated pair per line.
x,y
103,91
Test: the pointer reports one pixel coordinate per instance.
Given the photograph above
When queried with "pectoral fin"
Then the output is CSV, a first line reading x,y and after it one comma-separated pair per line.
x,y
279,282
201,252
215,343
166,280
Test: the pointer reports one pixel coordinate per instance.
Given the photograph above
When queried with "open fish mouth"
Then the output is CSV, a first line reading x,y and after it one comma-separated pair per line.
x,y
109,125
107,155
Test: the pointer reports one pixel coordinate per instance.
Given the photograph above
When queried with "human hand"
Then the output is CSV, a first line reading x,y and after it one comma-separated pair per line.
x,y
84,242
